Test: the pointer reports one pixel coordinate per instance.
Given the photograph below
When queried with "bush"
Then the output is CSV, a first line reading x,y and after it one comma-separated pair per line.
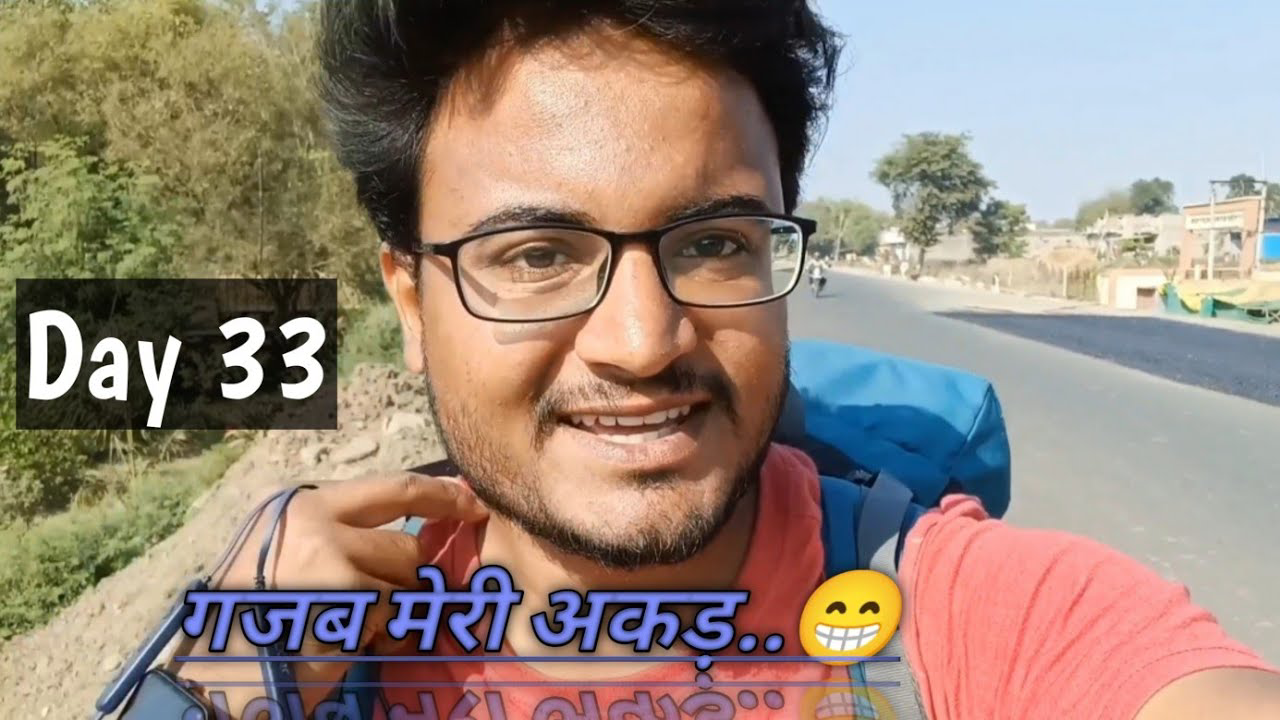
x,y
372,335
40,472
44,568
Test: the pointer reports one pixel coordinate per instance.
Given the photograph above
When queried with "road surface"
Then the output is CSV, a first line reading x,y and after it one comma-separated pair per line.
x,y
1184,478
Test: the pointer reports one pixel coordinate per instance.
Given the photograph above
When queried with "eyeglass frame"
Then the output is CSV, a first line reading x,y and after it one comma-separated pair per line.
x,y
651,238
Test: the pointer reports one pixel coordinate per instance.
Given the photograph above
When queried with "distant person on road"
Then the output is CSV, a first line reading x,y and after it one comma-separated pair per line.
x,y
817,275
818,268
609,400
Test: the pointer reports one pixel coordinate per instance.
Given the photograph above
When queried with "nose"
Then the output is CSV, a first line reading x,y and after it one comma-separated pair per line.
x,y
638,330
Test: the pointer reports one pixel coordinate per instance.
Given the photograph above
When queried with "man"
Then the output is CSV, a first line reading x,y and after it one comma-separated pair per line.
x,y
609,398
817,273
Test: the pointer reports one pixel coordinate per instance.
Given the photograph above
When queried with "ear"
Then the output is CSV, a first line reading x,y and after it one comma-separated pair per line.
x,y
397,277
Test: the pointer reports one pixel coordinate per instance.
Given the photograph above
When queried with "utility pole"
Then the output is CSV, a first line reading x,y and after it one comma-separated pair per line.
x,y
1262,226
1213,225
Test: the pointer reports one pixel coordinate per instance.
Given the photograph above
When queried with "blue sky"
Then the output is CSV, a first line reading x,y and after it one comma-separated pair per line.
x,y
1064,99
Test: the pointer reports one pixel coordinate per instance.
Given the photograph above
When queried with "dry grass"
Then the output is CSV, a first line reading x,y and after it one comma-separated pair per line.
x,y
1064,273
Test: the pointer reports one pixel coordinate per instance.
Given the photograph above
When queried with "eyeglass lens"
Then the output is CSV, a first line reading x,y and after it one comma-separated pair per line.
x,y
532,274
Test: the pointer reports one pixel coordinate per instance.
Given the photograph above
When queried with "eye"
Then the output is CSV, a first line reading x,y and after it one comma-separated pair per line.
x,y
870,607
712,245
836,606
539,258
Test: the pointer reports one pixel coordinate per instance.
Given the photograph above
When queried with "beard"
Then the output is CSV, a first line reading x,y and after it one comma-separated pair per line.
x,y
514,491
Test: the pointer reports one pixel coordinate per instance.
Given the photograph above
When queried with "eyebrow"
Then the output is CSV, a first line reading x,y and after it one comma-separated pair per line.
x,y
718,205
517,215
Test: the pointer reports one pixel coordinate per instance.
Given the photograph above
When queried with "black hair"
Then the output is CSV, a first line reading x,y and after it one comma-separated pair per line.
x,y
387,63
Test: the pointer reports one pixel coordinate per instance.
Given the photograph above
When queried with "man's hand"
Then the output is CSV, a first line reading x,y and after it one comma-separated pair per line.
x,y
329,539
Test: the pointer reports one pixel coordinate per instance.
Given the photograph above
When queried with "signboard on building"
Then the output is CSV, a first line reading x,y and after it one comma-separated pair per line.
x,y
1221,221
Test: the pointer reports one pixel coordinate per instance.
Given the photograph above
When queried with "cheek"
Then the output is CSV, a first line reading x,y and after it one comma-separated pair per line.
x,y
750,345
484,369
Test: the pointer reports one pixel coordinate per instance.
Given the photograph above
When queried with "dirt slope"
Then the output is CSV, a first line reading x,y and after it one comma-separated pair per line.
x,y
58,671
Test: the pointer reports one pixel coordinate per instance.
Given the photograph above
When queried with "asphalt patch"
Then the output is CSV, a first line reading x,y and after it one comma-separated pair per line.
x,y
1241,364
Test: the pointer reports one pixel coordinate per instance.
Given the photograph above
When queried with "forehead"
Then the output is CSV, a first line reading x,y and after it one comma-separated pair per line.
x,y
611,127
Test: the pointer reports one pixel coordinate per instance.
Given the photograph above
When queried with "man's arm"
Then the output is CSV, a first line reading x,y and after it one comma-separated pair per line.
x,y
1013,622
1225,693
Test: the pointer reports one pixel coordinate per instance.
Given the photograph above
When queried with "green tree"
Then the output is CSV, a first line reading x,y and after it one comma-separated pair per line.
x,y
76,215
1243,185
1000,229
1152,197
72,215
1113,202
217,100
159,138
935,185
844,226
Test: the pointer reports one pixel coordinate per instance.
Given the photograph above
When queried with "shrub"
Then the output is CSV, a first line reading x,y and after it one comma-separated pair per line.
x,y
40,472
372,335
47,566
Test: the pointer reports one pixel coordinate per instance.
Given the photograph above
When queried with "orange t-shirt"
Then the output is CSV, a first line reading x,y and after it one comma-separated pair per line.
x,y
998,621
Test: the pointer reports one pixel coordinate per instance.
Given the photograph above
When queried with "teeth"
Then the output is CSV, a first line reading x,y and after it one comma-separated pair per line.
x,y
839,705
661,417
845,705
655,419
637,438
844,639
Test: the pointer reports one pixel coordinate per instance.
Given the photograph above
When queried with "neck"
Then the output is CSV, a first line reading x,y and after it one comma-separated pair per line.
x,y
539,569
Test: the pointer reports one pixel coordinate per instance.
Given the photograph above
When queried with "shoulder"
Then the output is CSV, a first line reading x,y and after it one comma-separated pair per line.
x,y
1034,620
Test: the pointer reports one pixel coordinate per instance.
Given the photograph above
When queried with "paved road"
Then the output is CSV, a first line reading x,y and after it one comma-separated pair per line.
x,y
1184,478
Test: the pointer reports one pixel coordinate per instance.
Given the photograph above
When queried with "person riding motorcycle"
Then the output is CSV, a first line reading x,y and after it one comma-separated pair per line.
x,y
817,276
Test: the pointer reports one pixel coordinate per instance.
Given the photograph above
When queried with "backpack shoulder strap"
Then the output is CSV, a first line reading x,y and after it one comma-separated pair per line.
x,y
360,681
840,502
866,528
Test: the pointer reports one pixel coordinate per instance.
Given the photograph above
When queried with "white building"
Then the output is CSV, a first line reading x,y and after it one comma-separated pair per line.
x,y
1110,233
956,247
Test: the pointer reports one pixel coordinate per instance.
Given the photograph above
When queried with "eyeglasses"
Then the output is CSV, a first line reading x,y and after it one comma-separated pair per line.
x,y
537,273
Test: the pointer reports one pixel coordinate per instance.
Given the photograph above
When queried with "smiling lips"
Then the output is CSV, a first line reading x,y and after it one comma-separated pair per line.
x,y
845,639
632,429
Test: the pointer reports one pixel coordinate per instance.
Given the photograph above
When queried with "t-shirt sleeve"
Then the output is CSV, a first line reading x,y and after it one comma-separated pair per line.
x,y
1012,622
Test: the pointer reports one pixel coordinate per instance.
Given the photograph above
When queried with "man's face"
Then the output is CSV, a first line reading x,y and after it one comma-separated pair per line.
x,y
623,137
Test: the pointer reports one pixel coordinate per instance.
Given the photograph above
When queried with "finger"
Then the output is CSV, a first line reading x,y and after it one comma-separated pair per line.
x,y
389,555
375,500
376,636
383,645
335,575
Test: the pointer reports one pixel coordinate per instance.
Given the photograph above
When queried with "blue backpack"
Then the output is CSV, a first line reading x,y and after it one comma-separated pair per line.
x,y
890,437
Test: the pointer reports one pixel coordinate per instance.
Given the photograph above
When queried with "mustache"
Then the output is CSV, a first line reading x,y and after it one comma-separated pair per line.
x,y
675,380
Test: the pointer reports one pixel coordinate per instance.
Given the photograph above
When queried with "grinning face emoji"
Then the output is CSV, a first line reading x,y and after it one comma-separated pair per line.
x,y
866,703
854,614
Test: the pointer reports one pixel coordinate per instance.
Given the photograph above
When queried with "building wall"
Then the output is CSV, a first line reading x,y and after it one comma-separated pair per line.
x,y
1194,242
950,248
1130,288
